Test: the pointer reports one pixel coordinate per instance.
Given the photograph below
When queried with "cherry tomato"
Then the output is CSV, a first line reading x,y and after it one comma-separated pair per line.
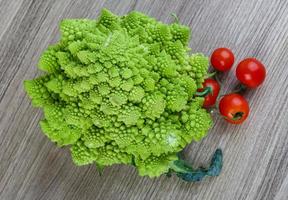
x,y
214,88
251,72
222,59
234,108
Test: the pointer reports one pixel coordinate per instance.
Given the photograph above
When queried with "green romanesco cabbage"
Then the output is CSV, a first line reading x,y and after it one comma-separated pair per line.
x,y
121,90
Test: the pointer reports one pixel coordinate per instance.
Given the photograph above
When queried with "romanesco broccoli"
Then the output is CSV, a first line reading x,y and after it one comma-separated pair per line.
x,y
121,90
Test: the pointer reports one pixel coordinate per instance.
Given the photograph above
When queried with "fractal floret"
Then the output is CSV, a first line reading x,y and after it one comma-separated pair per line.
x,y
121,90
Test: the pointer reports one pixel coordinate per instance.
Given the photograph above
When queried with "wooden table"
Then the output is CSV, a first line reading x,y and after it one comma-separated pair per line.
x,y
256,153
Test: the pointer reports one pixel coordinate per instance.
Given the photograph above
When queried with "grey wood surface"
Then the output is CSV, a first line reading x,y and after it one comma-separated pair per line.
x,y
256,153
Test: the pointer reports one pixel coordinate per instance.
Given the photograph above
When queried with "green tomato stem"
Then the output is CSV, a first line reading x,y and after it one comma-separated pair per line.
x,y
218,79
212,74
205,92
240,88
176,19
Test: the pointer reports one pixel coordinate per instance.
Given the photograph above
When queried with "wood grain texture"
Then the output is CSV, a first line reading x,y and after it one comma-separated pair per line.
x,y
256,153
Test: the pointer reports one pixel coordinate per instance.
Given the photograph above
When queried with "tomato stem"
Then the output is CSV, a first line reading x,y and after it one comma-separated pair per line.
x,y
176,19
218,77
211,74
240,88
205,92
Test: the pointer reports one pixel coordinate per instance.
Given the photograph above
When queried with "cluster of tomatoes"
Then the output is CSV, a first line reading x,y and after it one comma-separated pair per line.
x,y
233,107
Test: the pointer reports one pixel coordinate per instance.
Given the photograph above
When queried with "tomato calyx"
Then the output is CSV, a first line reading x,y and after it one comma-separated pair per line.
x,y
237,116
206,91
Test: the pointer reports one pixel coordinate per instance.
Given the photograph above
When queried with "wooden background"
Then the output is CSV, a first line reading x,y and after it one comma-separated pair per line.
x,y
256,153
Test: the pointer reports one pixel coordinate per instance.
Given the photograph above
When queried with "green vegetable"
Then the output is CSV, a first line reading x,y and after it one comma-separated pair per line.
x,y
187,173
120,90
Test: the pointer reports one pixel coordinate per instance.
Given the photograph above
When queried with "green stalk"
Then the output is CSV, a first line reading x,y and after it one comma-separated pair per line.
x,y
212,74
240,88
176,19
205,92
185,171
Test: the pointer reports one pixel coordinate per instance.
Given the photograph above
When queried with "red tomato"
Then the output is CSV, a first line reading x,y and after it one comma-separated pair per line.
x,y
251,72
214,89
222,59
234,108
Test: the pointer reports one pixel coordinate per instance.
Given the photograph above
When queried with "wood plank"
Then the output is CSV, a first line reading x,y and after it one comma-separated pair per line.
x,y
256,163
